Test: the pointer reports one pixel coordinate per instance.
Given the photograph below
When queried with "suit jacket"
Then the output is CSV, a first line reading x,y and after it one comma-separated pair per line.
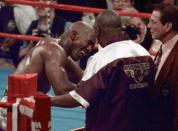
x,y
167,93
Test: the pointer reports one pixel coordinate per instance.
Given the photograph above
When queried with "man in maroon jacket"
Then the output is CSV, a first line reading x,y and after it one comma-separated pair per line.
x,y
163,26
117,86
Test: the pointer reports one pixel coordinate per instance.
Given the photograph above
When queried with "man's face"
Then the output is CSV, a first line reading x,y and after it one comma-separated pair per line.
x,y
83,45
42,11
120,4
157,29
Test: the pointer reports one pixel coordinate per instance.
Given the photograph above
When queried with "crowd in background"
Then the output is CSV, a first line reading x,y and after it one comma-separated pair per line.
x,y
23,19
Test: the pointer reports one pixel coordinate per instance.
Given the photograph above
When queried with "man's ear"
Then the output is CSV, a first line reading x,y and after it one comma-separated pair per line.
x,y
73,35
168,26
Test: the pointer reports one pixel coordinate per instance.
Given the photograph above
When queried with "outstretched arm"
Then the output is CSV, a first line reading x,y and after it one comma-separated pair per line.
x,y
64,101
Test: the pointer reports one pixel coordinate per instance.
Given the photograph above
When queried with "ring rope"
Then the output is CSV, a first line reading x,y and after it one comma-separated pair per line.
x,y
21,37
75,8
61,7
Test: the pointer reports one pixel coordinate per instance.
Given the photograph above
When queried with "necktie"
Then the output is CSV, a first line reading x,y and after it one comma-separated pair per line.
x,y
158,57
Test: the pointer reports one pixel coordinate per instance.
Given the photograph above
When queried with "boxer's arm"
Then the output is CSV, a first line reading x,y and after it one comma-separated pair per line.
x,y
64,101
55,72
73,70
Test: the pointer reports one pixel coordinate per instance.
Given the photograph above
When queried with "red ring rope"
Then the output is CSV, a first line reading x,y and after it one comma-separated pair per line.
x,y
21,37
62,7
74,8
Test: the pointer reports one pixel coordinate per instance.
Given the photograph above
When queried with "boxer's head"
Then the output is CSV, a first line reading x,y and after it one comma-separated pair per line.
x,y
81,40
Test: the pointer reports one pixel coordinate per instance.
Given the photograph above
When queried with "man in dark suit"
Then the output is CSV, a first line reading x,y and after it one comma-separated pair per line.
x,y
163,26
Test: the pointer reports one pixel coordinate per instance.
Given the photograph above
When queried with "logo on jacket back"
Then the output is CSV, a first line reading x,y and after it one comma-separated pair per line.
x,y
137,72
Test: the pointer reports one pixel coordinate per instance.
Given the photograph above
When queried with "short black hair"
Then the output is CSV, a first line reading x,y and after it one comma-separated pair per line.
x,y
132,31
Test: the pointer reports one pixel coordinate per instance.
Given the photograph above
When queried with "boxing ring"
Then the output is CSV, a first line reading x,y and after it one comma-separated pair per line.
x,y
25,106
62,119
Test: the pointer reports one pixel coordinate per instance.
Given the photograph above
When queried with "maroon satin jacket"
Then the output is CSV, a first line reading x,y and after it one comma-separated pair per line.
x,y
167,93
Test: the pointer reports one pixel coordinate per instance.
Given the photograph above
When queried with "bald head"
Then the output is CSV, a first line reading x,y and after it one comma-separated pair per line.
x,y
109,28
80,38
109,19
81,28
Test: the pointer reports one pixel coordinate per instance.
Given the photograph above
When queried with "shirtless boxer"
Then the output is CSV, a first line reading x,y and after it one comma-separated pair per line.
x,y
52,60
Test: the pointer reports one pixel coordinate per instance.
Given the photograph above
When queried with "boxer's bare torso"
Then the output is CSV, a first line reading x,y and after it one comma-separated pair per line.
x,y
43,56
